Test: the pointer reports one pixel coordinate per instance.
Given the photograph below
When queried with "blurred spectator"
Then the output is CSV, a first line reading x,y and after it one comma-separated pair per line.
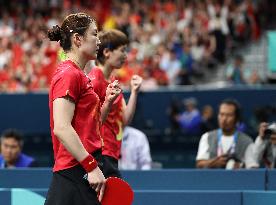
x,y
219,29
239,75
197,49
11,151
265,146
187,65
173,110
149,83
6,26
190,120
208,121
235,73
226,147
172,66
135,150
254,77
210,46
157,72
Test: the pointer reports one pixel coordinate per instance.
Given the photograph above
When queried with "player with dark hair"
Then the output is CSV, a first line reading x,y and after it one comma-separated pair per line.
x,y
76,116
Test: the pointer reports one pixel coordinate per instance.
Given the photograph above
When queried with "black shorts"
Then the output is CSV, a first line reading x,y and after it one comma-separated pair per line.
x,y
110,167
69,188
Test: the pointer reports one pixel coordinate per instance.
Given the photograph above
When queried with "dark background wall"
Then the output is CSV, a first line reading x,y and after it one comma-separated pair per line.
x,y
30,114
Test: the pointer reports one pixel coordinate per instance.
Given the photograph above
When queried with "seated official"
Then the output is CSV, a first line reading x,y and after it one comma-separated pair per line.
x,y
11,151
135,150
226,147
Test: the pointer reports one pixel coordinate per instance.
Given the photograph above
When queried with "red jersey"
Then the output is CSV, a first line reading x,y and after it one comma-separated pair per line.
x,y
70,80
112,129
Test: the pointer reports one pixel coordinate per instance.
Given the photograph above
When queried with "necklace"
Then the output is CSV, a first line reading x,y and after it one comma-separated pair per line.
x,y
76,62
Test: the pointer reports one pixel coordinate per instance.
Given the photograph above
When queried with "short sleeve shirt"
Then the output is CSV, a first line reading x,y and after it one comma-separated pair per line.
x,y
112,129
70,80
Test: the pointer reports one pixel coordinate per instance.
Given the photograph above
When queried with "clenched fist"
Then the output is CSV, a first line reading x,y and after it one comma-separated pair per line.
x,y
135,83
113,91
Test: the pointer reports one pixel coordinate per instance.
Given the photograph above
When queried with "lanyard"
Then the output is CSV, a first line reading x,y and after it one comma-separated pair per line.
x,y
231,150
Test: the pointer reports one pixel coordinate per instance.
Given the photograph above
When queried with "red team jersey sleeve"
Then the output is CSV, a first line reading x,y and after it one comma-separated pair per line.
x,y
69,83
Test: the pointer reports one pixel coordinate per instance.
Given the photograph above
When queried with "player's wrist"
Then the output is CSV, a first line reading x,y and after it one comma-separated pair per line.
x,y
134,91
89,163
108,101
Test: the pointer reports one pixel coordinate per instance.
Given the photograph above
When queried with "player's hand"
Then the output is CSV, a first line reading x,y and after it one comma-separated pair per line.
x,y
97,181
113,91
135,83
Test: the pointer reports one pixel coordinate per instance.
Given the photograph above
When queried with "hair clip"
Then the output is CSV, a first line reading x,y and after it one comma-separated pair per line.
x,y
70,30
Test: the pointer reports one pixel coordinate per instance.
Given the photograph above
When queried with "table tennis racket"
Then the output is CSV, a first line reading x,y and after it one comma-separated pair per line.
x,y
117,192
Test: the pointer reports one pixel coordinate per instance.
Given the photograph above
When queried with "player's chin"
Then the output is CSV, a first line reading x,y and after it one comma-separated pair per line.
x,y
93,56
120,65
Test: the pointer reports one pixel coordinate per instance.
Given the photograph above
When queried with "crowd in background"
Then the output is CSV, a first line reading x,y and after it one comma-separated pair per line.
x,y
171,41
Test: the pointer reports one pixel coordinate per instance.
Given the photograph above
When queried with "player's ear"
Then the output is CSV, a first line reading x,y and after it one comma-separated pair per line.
x,y
106,52
77,39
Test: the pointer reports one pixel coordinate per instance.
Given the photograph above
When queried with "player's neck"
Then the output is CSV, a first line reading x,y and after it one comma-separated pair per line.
x,y
77,60
107,70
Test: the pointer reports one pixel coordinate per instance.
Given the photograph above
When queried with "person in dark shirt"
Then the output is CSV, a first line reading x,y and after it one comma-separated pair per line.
x,y
11,151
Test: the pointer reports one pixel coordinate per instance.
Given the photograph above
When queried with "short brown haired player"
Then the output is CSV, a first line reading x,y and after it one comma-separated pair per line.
x,y
112,56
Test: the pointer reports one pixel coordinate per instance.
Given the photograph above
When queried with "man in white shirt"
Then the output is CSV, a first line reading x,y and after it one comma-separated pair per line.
x,y
265,146
135,150
226,147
